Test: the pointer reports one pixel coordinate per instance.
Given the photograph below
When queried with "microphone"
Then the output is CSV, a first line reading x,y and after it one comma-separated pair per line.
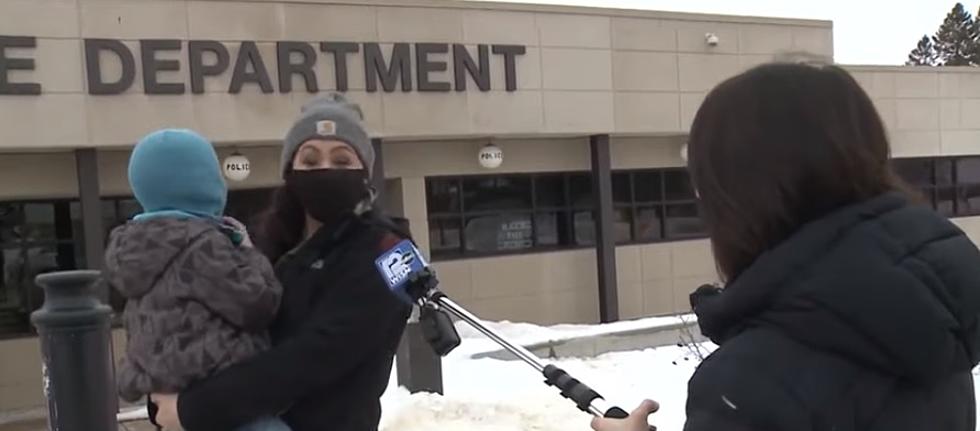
x,y
409,277
397,265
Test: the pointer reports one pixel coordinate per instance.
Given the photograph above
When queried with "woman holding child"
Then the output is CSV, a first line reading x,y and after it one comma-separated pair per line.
x,y
337,328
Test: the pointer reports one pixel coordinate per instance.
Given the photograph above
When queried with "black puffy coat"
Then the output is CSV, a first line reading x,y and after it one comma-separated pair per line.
x,y
334,341
864,320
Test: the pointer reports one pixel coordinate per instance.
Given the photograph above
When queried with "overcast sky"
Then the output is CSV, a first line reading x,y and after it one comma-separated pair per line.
x,y
865,31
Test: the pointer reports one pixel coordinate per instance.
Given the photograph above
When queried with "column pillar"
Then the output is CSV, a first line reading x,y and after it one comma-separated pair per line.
x,y
87,168
378,180
419,369
605,236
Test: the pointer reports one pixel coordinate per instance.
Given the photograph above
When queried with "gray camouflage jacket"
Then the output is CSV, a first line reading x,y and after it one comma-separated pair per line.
x,y
196,303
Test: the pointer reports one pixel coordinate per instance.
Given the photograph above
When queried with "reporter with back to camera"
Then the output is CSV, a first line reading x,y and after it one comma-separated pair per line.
x,y
848,304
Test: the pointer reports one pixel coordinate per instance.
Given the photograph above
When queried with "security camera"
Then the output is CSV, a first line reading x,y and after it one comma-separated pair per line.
x,y
711,39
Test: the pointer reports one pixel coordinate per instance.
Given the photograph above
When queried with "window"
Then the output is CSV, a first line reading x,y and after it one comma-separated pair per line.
x,y
492,214
663,205
950,185
501,214
44,236
968,186
35,238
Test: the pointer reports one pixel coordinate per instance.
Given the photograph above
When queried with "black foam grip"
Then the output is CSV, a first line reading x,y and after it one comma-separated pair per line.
x,y
570,388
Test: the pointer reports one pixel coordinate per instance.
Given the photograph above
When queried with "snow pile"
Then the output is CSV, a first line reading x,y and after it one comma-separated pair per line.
x,y
526,334
495,395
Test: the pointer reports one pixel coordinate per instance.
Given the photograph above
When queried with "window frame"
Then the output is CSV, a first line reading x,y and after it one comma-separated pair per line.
x,y
567,211
660,206
931,191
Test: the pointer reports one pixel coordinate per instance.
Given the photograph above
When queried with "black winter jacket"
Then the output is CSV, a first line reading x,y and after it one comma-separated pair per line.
x,y
864,320
334,341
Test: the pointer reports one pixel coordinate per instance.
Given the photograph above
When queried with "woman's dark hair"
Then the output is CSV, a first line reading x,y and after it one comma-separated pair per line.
x,y
280,227
777,147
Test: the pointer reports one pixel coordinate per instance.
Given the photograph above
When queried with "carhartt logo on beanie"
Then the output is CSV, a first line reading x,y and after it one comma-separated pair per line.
x,y
329,117
177,170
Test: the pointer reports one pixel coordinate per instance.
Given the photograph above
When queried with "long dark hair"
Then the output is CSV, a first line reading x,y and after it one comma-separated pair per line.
x,y
280,226
779,146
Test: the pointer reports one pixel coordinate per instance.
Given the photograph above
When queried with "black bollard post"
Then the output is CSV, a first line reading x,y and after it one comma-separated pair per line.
x,y
74,331
419,367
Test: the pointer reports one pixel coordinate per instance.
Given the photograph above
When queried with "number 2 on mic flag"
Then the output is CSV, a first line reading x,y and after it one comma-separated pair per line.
x,y
396,264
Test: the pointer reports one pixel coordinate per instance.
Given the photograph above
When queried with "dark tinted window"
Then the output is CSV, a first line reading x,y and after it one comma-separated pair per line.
x,y
520,212
497,193
945,201
623,225
547,229
968,199
968,170
944,172
38,222
683,221
499,232
444,235
946,183
678,186
580,190
648,223
442,196
11,221
550,191
584,222
648,185
914,171
622,188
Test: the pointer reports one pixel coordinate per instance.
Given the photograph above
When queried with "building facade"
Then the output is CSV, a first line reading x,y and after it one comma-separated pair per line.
x,y
590,216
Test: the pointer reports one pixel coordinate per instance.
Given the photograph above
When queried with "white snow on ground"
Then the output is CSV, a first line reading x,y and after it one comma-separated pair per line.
x,y
495,395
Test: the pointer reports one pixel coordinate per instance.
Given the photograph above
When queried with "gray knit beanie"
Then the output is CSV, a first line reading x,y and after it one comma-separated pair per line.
x,y
329,117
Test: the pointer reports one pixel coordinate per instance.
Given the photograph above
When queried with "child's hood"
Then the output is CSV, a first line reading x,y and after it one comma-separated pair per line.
x,y
139,253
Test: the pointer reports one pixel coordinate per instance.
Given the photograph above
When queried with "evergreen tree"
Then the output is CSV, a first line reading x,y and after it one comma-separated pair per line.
x,y
924,54
956,41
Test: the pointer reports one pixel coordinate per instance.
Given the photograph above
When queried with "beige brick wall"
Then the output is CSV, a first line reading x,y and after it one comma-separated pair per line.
x,y
656,279
585,70
927,111
558,287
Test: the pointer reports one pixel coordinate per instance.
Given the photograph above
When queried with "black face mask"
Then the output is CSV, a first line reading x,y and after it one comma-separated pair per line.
x,y
328,194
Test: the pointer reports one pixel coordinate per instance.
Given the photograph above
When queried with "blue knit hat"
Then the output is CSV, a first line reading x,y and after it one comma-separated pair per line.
x,y
176,171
